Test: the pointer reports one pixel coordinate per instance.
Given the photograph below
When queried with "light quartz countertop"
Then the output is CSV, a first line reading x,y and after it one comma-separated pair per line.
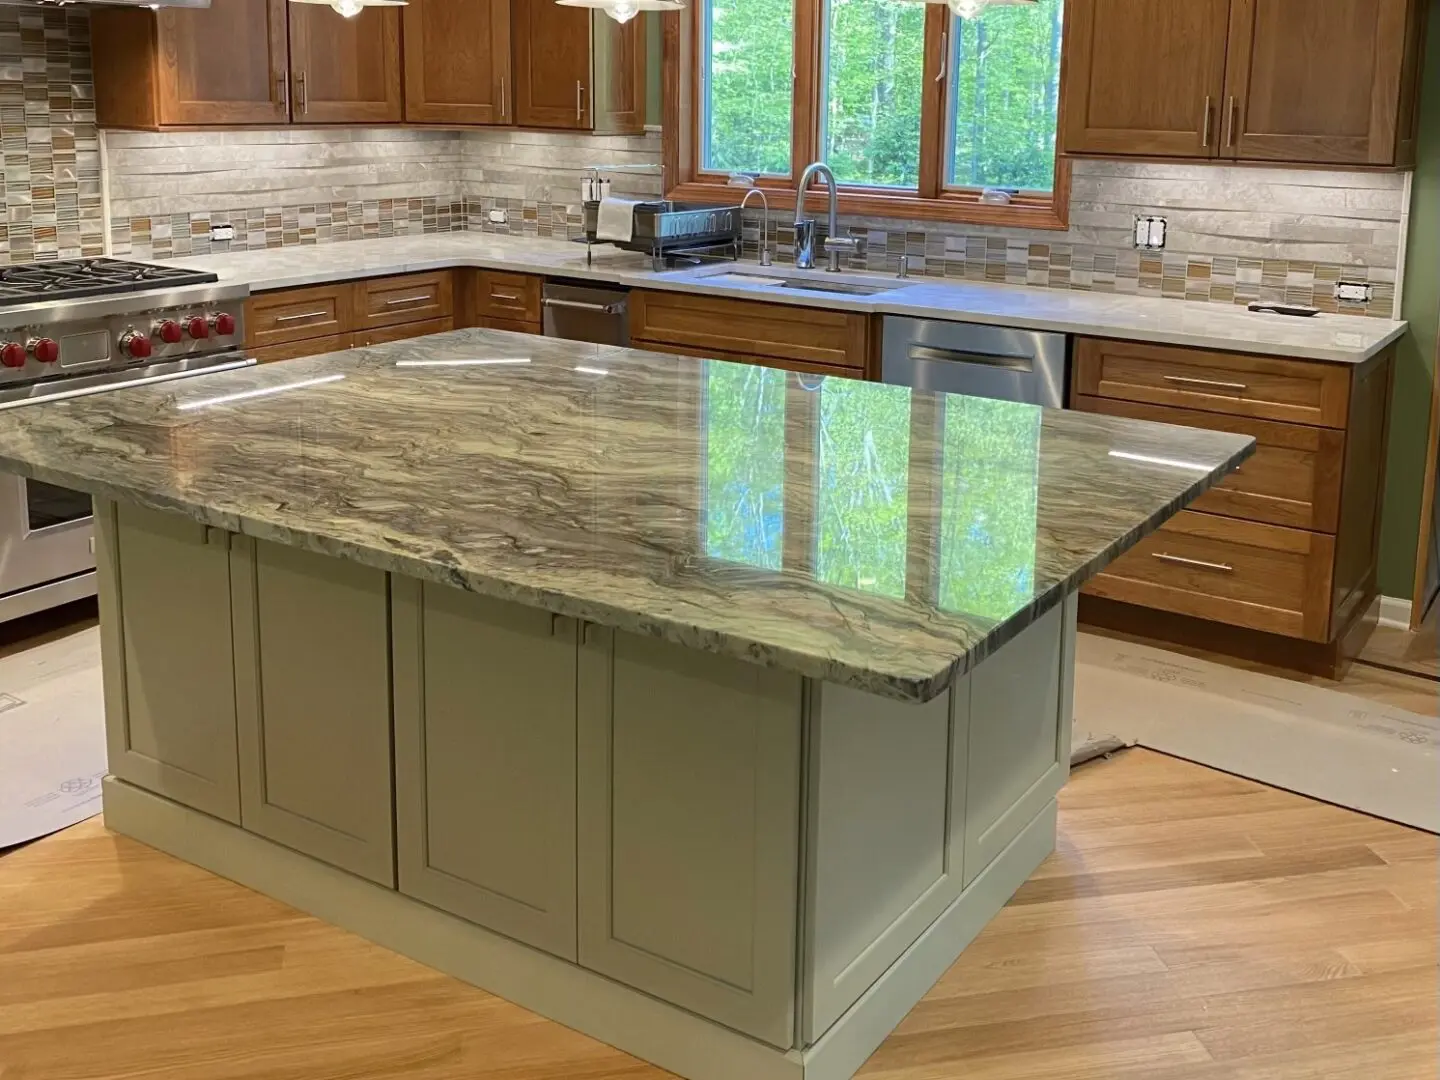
x,y
869,535
1336,338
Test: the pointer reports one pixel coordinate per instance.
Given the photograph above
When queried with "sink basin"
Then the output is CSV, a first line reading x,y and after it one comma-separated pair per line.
x,y
803,284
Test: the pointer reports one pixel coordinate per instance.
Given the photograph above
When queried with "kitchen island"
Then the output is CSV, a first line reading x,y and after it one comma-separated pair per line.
x,y
709,709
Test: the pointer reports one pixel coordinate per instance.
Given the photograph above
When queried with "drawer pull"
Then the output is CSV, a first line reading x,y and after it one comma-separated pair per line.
x,y
1207,382
407,300
505,296
303,315
1197,563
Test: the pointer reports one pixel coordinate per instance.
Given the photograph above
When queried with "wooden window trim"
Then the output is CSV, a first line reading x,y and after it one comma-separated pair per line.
x,y
933,201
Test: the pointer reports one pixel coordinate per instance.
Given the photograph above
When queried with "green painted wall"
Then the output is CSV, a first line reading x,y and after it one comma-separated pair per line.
x,y
1410,416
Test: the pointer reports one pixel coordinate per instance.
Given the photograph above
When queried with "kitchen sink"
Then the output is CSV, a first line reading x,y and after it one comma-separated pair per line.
x,y
849,289
802,284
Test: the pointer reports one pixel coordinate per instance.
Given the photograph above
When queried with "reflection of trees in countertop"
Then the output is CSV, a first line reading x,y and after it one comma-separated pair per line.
x,y
745,464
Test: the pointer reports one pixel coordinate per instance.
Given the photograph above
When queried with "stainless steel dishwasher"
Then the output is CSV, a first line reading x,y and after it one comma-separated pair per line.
x,y
967,358
598,313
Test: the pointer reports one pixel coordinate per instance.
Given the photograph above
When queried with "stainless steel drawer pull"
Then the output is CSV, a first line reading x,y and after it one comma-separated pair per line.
x,y
1197,563
582,305
958,356
505,296
302,315
407,300
1207,382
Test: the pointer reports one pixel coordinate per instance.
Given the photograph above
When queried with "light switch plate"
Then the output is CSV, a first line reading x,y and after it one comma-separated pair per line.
x,y
498,217
1150,233
1355,292
222,232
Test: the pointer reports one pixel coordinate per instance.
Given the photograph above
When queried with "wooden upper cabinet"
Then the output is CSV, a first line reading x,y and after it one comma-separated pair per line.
x,y
553,86
225,64
345,71
620,63
457,62
1318,80
1144,77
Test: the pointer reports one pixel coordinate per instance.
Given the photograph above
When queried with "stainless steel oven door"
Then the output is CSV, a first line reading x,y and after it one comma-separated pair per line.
x,y
46,534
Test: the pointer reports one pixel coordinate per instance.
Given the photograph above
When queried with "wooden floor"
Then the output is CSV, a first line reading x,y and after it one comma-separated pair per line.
x,y
1191,926
1416,653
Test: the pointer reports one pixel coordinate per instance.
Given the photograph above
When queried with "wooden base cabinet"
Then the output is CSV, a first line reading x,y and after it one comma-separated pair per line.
x,y
1326,82
1287,545
286,324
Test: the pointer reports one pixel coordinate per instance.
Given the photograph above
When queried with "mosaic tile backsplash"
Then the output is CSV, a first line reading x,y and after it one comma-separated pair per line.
x,y
51,181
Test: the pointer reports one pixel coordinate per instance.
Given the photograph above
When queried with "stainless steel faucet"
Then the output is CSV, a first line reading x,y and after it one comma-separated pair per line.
x,y
805,227
765,204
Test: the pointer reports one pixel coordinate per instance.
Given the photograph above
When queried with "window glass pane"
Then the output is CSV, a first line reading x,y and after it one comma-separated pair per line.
x,y
987,516
874,64
747,55
1005,86
863,486
745,464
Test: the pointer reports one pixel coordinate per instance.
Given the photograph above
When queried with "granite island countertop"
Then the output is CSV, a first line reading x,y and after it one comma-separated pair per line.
x,y
870,535
1333,338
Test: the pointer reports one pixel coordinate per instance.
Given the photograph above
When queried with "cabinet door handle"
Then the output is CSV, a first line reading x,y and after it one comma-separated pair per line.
x,y
1207,382
301,95
407,300
1199,564
302,315
504,296
1205,137
579,102
503,110
284,82
1231,120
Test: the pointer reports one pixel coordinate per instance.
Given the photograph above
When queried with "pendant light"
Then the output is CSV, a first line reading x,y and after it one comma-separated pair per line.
x,y
622,11
351,8
973,9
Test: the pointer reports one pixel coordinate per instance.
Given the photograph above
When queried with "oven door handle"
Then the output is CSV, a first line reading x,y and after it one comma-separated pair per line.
x,y
125,384
929,353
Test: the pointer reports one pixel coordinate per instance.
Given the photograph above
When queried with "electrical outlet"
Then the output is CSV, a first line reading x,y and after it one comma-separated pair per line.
x,y
1354,292
1150,233
222,232
498,217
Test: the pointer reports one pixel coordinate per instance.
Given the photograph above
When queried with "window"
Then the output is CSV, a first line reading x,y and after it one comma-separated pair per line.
x,y
916,110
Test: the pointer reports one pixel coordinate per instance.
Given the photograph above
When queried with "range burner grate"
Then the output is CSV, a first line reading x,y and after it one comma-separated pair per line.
x,y
69,279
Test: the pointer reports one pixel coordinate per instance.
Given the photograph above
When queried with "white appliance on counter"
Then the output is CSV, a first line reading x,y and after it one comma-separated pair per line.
x,y
88,326
968,358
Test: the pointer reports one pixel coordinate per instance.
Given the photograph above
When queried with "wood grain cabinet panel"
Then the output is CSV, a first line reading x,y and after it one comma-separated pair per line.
x,y
1238,572
1264,387
498,295
750,328
1316,80
1293,479
1143,77
287,315
403,332
553,85
404,298
345,71
800,367
457,62
295,350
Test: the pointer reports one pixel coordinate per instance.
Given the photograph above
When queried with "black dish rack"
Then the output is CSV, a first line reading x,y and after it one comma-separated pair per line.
x,y
668,233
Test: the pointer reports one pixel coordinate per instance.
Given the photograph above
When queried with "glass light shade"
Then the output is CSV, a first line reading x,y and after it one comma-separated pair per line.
x,y
351,8
622,11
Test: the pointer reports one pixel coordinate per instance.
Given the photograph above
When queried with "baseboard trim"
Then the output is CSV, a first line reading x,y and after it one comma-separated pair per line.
x,y
1395,612
627,1019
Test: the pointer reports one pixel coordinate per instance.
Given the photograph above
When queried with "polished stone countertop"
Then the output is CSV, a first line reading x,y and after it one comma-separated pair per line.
x,y
869,535
1335,338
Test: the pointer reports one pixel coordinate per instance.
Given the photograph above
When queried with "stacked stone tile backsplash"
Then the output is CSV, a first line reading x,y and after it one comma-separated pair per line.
x,y
1236,234
51,181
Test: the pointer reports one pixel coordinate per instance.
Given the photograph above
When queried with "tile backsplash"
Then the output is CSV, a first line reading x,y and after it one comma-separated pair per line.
x,y
51,180
1235,234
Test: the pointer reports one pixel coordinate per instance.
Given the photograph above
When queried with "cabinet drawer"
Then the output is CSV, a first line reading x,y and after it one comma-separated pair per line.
x,y
407,298
512,325
297,314
507,296
1238,572
1265,387
402,332
293,350
711,324
799,366
1293,479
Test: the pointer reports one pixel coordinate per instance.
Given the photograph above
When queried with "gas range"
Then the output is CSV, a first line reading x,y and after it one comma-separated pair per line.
x,y
81,326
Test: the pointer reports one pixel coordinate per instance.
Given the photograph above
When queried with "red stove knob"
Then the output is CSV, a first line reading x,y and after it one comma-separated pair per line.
x,y
224,324
197,327
46,350
13,354
169,332
136,346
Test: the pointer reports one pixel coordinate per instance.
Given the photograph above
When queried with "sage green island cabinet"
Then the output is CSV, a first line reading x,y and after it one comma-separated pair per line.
x,y
591,678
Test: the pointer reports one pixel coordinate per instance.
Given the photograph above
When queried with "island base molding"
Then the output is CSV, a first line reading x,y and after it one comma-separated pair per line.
x,y
627,1019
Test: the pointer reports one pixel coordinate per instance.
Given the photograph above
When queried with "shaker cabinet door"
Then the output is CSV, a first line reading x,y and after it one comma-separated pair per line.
x,y
1315,80
457,62
1144,77
225,64
553,87
344,71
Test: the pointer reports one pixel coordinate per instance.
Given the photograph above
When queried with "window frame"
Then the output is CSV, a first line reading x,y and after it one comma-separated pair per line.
x,y
683,40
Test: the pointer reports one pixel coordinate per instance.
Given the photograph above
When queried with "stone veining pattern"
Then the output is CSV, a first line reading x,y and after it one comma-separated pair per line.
x,y
583,479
